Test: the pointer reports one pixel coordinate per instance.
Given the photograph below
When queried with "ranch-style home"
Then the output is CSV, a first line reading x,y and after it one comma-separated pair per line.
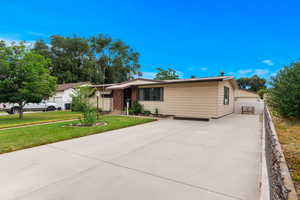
x,y
211,97
63,94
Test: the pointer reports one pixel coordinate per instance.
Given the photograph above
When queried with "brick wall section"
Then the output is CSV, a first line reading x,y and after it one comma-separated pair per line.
x,y
118,100
134,94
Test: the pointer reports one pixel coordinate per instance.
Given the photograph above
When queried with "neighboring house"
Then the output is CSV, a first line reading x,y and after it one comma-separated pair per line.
x,y
62,96
248,99
211,97
246,96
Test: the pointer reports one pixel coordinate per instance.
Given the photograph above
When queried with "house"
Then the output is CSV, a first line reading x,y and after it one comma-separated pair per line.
x,y
210,97
63,94
246,96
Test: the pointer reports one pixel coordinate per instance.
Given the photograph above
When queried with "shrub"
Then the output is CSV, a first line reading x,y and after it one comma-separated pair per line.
x,y
156,111
284,93
147,112
89,118
80,99
137,108
130,112
262,93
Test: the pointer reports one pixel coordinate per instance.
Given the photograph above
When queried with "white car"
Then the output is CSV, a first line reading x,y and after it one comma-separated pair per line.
x,y
43,106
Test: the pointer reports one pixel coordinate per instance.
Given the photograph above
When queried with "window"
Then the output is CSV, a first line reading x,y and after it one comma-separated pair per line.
x,y
106,96
151,94
226,95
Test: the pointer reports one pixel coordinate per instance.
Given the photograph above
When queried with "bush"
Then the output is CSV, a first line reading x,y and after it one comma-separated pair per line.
x,y
156,111
136,108
147,112
284,94
89,118
262,93
80,99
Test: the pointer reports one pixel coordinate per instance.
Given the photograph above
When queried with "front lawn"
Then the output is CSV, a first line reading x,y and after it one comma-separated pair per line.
x,y
7,121
21,138
289,137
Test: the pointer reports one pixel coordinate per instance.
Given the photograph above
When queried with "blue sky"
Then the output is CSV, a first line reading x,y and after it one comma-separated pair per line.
x,y
196,37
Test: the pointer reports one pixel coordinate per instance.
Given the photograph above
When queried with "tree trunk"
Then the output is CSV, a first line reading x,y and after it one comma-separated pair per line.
x,y
20,110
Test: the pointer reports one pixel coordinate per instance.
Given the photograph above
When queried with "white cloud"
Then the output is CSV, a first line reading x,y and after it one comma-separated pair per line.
x,y
180,74
10,41
268,62
149,75
203,68
244,71
231,73
261,72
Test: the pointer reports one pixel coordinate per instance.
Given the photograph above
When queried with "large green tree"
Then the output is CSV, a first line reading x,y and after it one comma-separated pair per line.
x,y
114,59
168,74
98,59
254,83
24,76
284,94
69,58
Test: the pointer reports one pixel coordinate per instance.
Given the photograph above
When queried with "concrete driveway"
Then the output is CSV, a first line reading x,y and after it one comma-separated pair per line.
x,y
163,160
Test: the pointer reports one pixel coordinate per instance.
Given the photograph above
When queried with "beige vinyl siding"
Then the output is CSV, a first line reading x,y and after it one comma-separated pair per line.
x,y
105,104
225,109
186,100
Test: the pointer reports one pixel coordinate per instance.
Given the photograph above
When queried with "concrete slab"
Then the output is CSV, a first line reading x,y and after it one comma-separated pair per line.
x,y
28,170
168,159
119,142
113,182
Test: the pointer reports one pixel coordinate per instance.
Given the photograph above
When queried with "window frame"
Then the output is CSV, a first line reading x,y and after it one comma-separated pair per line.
x,y
151,95
226,95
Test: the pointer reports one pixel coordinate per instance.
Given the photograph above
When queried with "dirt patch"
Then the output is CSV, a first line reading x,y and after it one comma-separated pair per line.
x,y
289,137
81,125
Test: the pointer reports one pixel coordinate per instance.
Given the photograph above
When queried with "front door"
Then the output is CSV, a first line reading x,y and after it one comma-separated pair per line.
x,y
127,97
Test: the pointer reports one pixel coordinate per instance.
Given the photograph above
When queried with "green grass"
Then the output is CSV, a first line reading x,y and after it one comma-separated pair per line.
x,y
7,121
26,137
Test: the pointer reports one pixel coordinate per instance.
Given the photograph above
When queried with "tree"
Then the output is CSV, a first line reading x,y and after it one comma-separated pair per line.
x,y
114,59
168,74
81,103
98,59
284,94
262,92
193,76
24,76
81,99
42,48
254,83
243,83
70,59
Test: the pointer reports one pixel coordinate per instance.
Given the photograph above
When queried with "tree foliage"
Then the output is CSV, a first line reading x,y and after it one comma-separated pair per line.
x,y
262,92
284,94
81,99
98,59
254,83
24,76
168,74
81,103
